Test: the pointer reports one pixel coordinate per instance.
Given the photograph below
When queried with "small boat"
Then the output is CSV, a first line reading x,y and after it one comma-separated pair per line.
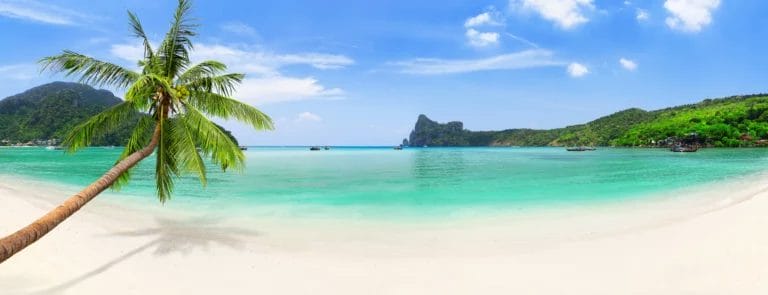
x,y
580,149
50,148
243,148
315,148
326,148
684,148
399,147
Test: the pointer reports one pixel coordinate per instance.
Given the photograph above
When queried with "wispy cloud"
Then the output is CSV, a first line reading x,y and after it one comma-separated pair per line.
x,y
488,18
476,38
566,14
642,15
577,70
522,40
239,28
482,39
512,61
308,117
628,64
277,89
265,83
690,15
40,12
19,71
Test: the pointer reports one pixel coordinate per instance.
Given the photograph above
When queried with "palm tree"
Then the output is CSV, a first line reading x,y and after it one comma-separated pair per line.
x,y
173,100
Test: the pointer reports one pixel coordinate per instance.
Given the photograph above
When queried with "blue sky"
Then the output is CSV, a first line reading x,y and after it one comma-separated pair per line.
x,y
359,72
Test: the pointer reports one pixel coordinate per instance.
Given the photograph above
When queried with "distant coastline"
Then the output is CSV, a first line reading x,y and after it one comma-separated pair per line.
x,y
737,121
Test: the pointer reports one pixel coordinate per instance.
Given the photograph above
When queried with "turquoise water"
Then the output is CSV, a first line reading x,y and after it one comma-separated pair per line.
x,y
380,181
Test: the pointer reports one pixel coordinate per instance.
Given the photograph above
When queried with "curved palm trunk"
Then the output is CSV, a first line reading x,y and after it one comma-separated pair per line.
x,y
19,240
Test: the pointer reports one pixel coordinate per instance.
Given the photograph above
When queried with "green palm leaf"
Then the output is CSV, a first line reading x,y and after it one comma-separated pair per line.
x,y
228,108
91,71
138,31
99,125
167,96
174,51
212,141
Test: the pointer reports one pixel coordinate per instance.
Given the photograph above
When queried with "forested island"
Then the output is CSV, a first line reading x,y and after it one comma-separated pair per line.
x,y
737,121
43,115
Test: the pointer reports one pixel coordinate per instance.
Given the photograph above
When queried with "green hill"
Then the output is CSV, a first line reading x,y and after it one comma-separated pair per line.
x,y
727,122
48,112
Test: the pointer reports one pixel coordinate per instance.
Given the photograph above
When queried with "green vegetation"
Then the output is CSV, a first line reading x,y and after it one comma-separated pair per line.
x,y
46,113
50,111
738,121
174,99
729,122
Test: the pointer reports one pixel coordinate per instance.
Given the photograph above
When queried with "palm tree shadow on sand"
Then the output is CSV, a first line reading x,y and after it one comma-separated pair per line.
x,y
171,236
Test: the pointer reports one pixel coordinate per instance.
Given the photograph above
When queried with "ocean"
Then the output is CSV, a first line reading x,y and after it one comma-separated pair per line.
x,y
380,182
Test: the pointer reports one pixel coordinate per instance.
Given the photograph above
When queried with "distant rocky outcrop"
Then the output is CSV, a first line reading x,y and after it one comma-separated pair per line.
x,y
428,132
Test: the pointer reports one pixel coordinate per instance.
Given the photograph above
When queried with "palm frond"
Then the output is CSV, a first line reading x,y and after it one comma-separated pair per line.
x,y
144,88
91,71
174,51
98,126
187,155
212,141
166,167
138,31
229,108
209,68
222,84
140,138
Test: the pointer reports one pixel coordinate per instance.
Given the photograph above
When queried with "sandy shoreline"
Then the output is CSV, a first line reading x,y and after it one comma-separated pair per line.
x,y
710,243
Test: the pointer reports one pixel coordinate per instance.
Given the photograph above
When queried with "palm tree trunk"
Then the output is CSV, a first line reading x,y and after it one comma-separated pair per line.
x,y
19,240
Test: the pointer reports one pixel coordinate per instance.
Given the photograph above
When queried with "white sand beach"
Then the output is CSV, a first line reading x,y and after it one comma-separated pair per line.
x,y
711,242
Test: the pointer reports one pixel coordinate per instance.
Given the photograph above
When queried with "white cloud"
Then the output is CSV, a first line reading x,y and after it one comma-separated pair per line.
x,y
511,61
485,18
268,90
19,72
239,28
128,52
642,15
317,60
628,64
565,13
308,117
577,70
482,39
690,15
40,12
264,83
243,60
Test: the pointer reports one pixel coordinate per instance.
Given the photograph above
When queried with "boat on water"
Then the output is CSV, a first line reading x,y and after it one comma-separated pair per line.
x,y
243,148
326,148
580,149
315,148
684,148
398,147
